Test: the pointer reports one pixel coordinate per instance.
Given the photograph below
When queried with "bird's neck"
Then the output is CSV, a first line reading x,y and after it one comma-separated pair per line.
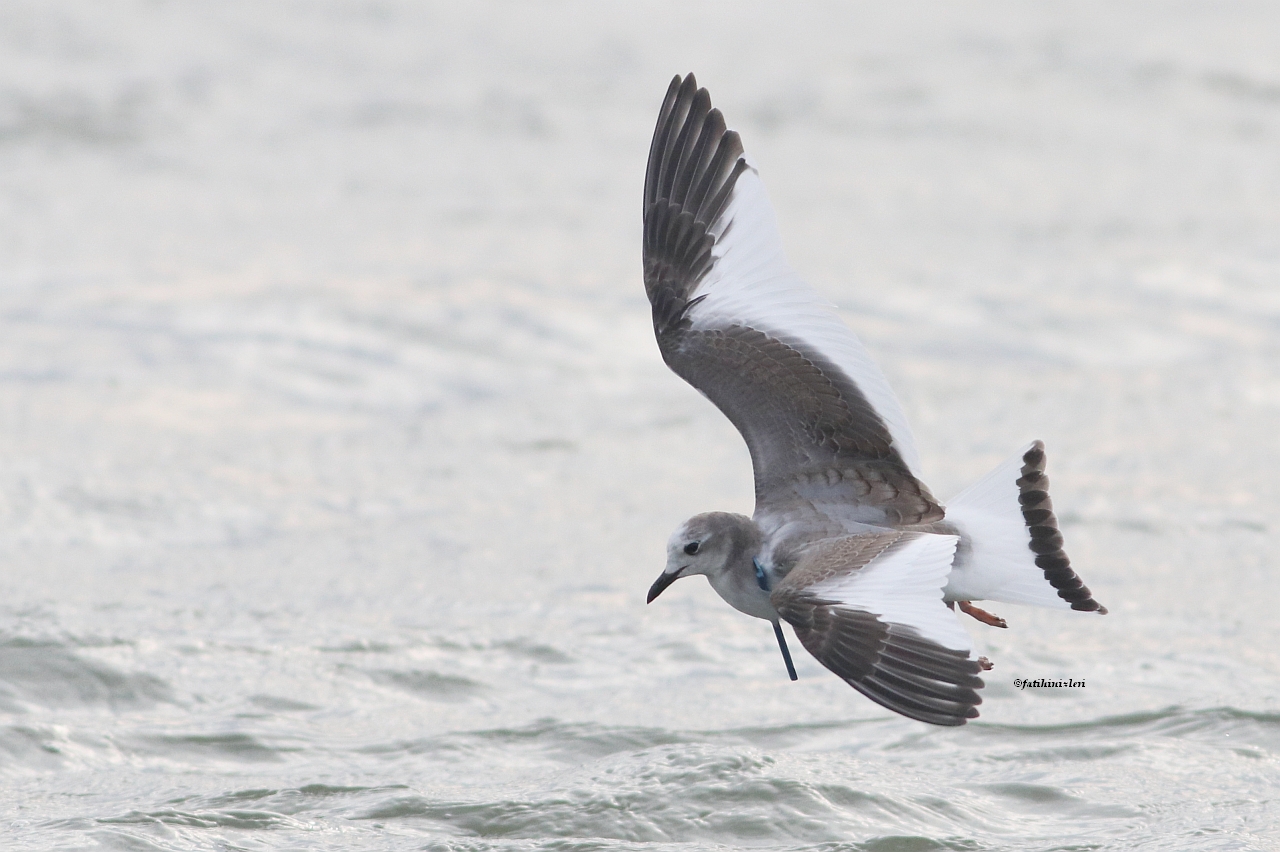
x,y
737,583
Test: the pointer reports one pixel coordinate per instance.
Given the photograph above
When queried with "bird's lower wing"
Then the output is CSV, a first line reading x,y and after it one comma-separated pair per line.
x,y
870,609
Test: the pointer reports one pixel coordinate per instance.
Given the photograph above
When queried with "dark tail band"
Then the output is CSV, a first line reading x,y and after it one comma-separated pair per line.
x,y
1046,541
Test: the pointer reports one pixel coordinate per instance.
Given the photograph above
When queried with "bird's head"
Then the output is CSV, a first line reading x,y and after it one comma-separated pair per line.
x,y
705,544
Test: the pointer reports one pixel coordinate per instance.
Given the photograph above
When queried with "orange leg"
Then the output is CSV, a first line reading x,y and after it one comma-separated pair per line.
x,y
982,615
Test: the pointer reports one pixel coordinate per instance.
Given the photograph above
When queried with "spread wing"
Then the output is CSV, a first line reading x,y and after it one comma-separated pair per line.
x,y
829,443
869,608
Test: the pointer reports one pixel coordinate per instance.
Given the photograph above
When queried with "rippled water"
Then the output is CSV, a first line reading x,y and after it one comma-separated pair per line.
x,y
336,455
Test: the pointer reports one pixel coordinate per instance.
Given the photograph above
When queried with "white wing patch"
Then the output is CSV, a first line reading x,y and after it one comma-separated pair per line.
x,y
752,284
904,586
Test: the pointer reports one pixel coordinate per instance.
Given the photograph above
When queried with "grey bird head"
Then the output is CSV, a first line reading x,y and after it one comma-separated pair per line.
x,y
705,544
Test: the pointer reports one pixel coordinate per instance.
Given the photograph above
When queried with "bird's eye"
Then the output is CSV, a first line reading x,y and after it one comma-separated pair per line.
x,y
691,548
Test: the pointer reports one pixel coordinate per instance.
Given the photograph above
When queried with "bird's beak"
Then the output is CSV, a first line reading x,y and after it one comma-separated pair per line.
x,y
664,579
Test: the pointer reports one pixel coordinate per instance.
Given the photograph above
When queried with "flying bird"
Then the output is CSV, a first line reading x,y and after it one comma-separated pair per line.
x,y
846,544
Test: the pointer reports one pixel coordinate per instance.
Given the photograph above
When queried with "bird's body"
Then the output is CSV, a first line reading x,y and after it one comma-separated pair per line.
x,y
846,543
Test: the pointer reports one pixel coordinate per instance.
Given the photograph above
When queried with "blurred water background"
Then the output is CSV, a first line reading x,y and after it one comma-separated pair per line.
x,y
336,455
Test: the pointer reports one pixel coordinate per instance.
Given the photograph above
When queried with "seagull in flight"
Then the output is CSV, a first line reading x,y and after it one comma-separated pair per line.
x,y
846,544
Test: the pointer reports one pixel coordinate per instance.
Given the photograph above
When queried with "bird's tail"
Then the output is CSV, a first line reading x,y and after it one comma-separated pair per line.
x,y
1010,546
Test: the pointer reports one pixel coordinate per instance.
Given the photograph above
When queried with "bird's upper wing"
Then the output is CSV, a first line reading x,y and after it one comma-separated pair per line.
x,y
870,608
828,440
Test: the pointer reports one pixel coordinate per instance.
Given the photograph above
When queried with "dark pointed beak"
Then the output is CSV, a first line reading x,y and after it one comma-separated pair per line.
x,y
660,584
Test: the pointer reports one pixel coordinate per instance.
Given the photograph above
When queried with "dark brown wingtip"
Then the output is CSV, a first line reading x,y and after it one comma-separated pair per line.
x,y
891,664
694,165
1046,540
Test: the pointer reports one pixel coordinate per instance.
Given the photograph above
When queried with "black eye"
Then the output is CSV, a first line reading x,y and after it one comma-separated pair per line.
x,y
691,548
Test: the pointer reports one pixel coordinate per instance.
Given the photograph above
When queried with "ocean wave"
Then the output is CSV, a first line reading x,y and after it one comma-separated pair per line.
x,y
236,747
47,674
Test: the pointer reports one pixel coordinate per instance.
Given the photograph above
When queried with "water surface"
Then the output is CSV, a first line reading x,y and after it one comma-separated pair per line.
x,y
336,455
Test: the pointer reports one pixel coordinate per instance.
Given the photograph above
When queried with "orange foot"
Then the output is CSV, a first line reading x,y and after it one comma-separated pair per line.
x,y
982,615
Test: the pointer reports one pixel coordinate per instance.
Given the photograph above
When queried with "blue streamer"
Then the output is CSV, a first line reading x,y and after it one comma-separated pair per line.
x,y
762,579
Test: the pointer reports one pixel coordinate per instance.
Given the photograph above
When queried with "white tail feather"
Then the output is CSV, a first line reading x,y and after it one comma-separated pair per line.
x,y
994,561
